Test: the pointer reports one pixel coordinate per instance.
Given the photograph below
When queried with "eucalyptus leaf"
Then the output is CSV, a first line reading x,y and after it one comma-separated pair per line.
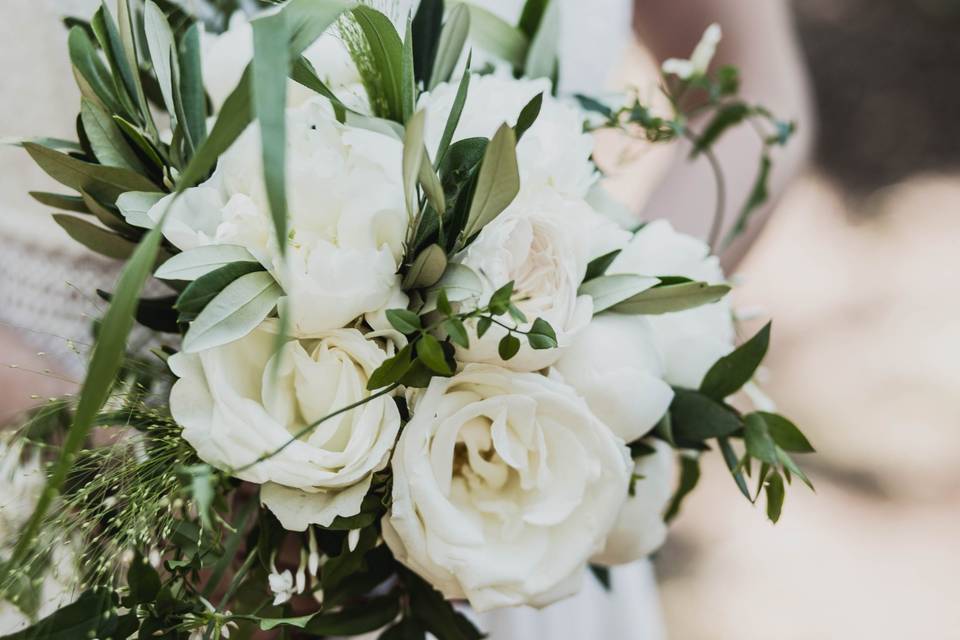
x,y
162,49
104,183
496,36
609,291
498,182
542,56
97,83
108,143
427,269
697,417
58,201
269,70
191,99
732,371
454,36
234,313
672,298
197,262
204,289
95,238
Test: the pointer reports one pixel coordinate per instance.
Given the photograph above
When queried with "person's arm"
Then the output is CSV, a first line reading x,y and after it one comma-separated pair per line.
x,y
758,38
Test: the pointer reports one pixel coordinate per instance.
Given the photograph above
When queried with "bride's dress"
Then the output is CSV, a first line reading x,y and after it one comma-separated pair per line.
x,y
46,279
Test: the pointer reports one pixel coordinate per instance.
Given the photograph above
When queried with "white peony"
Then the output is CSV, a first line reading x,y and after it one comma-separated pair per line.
x,y
234,408
555,152
226,55
614,364
690,341
640,529
347,218
542,243
505,484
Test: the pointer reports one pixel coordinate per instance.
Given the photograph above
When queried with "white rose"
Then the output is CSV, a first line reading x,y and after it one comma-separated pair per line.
x,y
346,216
504,485
234,408
542,244
226,55
691,341
555,152
614,364
640,529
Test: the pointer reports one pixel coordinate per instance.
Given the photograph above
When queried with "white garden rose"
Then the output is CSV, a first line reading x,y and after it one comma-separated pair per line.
x,y
347,218
227,54
234,407
640,529
504,485
542,244
555,152
615,366
690,341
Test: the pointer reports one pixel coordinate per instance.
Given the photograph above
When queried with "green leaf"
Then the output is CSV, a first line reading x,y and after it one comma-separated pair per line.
x,y
598,266
371,615
697,417
58,201
407,74
108,216
95,238
757,437
726,116
162,49
137,136
775,495
483,325
454,118
201,291
413,153
392,370
443,303
436,613
733,464
528,115
108,36
92,76
192,102
385,49
404,321
498,182
269,624
143,580
457,332
689,477
496,36
758,195
542,335
106,140
531,16
509,346
103,183
198,262
542,56
733,371
426,29
672,298
450,48
500,300
234,313
88,617
129,53
269,70
786,434
430,353
108,355
427,269
609,291
790,466
602,574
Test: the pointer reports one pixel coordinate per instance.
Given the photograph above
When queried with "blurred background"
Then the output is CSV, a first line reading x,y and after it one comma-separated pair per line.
x,y
858,267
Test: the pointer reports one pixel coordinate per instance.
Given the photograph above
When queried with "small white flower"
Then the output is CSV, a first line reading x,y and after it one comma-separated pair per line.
x,y
700,59
313,559
353,538
281,585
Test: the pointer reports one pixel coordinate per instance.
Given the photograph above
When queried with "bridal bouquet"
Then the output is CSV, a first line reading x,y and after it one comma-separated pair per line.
x,y
406,355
